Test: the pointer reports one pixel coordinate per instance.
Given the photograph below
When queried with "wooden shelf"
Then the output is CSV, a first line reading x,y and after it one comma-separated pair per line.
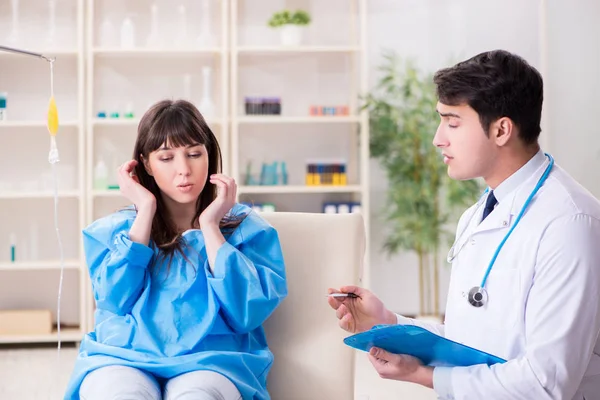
x,y
45,194
295,49
47,52
107,193
133,121
277,119
155,53
66,335
36,124
38,265
299,189
39,194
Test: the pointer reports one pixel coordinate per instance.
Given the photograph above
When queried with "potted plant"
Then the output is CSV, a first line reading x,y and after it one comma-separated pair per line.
x,y
421,198
291,25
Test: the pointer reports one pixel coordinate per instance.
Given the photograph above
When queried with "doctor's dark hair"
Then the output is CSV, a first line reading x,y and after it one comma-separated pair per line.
x,y
496,84
178,123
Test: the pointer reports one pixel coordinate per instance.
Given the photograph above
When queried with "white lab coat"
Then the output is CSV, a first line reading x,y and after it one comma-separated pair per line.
x,y
543,309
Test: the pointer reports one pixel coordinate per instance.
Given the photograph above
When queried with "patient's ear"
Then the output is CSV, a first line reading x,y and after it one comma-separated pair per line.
x,y
146,165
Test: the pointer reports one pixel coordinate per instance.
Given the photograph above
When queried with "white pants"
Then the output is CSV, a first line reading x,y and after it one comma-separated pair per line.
x,y
125,383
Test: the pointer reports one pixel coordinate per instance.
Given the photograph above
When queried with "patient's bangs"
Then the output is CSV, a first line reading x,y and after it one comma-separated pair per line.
x,y
177,129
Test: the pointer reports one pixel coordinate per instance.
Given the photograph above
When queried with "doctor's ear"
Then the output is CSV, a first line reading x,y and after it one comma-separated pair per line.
x,y
146,165
502,130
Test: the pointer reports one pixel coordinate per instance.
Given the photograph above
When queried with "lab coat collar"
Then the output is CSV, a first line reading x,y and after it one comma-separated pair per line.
x,y
519,177
512,194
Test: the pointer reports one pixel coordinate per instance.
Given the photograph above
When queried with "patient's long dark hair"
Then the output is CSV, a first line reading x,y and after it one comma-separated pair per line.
x,y
180,124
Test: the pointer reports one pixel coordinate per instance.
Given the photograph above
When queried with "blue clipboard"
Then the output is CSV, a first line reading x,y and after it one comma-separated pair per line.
x,y
431,349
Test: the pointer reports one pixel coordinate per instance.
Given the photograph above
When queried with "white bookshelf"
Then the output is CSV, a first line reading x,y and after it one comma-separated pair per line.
x,y
31,281
105,77
285,137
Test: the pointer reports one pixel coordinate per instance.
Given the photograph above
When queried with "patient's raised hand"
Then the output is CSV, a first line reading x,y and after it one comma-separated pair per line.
x,y
360,313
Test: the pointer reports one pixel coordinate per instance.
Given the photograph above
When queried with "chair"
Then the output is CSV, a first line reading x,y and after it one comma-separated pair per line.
x,y
311,360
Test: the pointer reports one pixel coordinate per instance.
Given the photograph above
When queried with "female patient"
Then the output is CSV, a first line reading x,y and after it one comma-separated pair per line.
x,y
183,280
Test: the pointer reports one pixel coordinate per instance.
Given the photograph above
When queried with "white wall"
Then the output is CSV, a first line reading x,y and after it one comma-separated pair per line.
x,y
572,88
437,33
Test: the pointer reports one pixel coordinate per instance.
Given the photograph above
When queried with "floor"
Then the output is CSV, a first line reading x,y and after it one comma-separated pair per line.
x,y
41,373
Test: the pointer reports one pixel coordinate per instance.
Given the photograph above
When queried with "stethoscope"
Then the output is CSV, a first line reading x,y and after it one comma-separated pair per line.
x,y
478,295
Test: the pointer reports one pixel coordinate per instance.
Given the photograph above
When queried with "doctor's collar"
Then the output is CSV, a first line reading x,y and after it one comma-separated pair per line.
x,y
520,176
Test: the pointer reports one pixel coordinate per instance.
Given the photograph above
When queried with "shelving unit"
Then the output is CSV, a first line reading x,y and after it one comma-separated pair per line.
x,y
106,77
324,64
26,193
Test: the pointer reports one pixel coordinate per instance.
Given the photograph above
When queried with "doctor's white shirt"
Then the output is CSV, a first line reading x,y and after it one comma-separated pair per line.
x,y
543,308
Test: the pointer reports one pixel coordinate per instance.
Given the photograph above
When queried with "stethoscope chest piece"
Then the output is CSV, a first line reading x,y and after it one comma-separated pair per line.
x,y
477,296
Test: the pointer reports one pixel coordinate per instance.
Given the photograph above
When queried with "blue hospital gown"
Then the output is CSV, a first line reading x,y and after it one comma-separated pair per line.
x,y
189,318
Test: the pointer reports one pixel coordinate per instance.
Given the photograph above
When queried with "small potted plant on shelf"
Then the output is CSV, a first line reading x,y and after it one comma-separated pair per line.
x,y
291,25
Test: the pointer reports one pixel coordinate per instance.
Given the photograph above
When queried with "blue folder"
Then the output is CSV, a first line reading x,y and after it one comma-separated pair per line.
x,y
431,349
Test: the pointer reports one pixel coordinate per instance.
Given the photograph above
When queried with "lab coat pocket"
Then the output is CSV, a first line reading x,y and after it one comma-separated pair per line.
x,y
501,310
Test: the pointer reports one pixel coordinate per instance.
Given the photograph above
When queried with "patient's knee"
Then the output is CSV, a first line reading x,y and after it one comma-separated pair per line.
x,y
201,385
119,383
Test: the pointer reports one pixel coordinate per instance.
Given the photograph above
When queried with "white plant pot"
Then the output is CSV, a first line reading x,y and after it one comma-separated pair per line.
x,y
291,35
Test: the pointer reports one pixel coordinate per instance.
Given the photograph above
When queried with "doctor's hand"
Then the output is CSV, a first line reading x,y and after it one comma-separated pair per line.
x,y
225,200
361,313
400,367
132,190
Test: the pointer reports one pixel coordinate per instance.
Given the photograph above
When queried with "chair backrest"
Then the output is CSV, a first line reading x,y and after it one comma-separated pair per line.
x,y
311,360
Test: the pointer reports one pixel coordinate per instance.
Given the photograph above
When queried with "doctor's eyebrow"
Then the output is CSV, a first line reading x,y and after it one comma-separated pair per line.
x,y
447,114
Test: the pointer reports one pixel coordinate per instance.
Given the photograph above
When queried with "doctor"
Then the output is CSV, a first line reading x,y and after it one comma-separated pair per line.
x,y
525,276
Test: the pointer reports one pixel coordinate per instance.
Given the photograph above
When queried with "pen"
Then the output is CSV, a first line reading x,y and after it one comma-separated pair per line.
x,y
350,295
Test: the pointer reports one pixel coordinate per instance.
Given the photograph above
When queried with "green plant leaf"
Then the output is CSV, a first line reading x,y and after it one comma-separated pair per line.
x,y
286,17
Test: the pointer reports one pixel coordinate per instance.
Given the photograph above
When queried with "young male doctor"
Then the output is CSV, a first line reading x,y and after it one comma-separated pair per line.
x,y
525,276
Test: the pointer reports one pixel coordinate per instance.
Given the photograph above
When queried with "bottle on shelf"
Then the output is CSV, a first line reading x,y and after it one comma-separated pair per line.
x,y
13,37
207,106
181,39
154,39
51,35
127,34
100,175
205,38
3,99
108,35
